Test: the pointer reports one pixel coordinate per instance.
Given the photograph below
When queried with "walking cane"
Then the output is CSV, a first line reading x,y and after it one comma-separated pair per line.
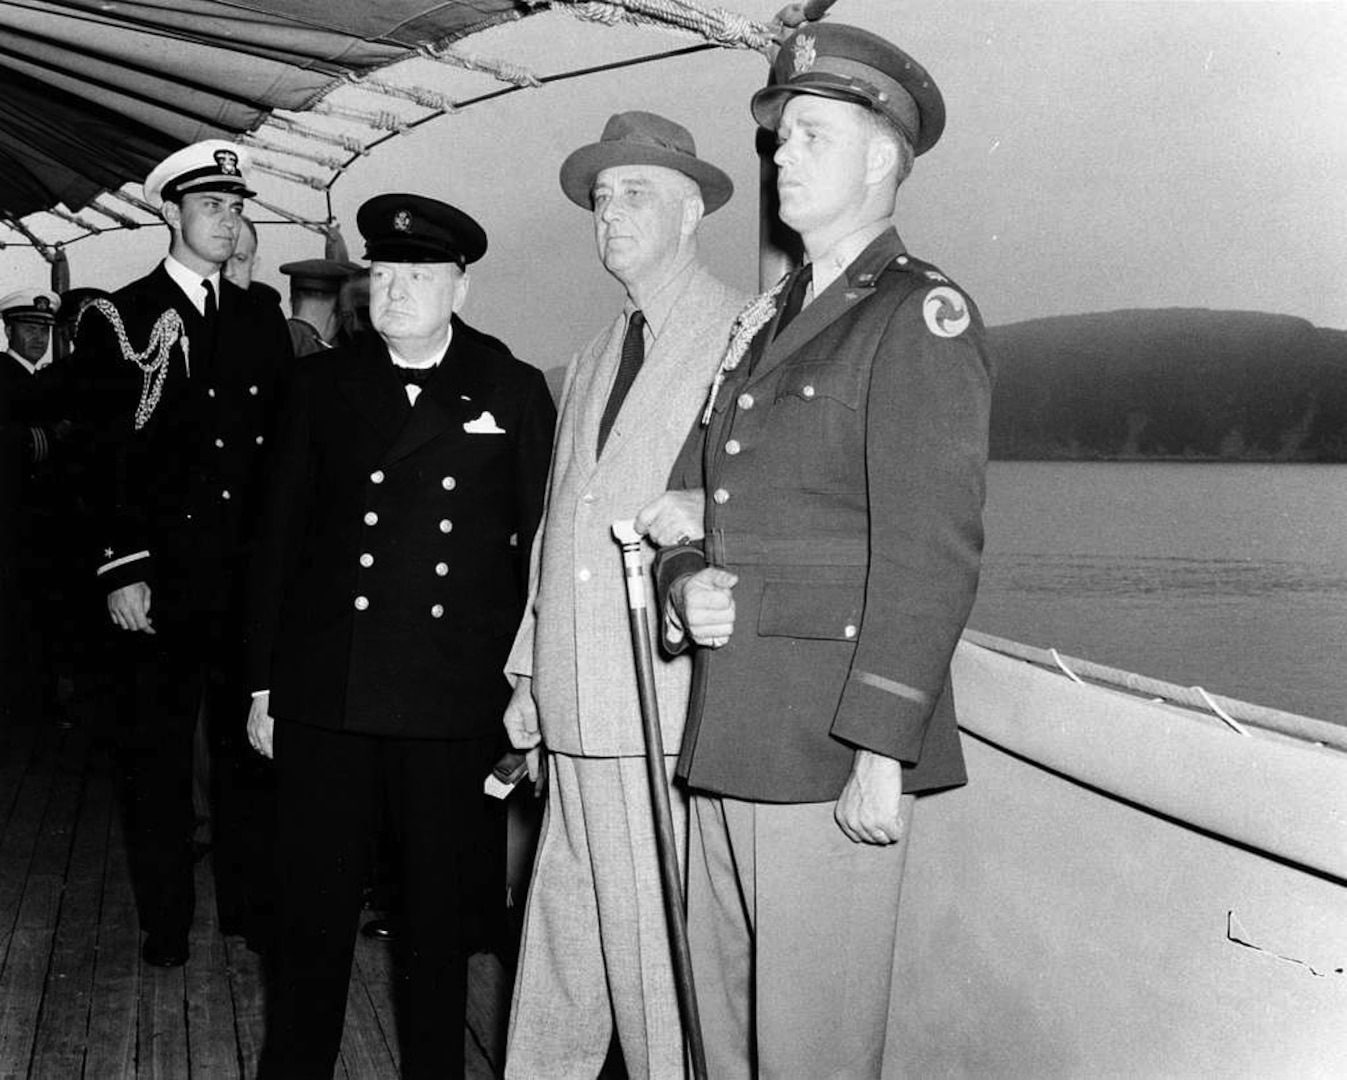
x,y
626,535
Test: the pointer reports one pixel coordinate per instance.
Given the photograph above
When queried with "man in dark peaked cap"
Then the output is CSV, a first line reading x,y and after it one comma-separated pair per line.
x,y
315,286
842,456
408,482
176,373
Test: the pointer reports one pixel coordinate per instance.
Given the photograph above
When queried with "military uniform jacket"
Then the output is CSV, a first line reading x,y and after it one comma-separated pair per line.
x,y
844,465
35,403
390,576
575,639
179,449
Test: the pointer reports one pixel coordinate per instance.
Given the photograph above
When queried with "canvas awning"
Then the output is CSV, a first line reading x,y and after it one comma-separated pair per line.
x,y
93,93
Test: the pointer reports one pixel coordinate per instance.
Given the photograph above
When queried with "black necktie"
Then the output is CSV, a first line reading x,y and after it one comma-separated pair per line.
x,y
211,309
795,298
415,375
633,356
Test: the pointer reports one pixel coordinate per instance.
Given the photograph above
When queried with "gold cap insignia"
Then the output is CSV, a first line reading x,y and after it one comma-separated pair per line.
x,y
805,54
402,221
228,162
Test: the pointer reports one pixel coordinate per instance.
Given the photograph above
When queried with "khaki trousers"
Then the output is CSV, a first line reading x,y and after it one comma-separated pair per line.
x,y
792,929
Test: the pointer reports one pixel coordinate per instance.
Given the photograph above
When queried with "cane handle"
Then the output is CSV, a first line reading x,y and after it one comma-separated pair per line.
x,y
624,532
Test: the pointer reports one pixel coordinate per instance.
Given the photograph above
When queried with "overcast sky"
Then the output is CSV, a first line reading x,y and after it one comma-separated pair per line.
x,y
1098,155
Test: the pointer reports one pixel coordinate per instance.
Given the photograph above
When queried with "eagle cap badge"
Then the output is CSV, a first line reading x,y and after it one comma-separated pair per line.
x,y
804,54
402,221
227,161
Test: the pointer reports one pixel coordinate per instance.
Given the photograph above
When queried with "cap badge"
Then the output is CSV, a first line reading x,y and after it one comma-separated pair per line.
x,y
402,221
41,303
228,162
946,312
804,55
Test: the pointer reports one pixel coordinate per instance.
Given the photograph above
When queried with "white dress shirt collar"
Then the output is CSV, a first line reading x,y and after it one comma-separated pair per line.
x,y
189,281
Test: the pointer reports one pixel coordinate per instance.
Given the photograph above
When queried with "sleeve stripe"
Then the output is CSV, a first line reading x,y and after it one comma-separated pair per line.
x,y
121,562
889,686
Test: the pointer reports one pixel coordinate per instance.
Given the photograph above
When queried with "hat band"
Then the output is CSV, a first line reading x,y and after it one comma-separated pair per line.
x,y
211,179
874,87
636,138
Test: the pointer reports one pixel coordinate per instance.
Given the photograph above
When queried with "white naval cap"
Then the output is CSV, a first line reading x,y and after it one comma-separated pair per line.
x,y
30,305
212,165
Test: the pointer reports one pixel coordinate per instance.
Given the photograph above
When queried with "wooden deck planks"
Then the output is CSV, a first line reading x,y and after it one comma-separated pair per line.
x,y
63,1026
213,1047
75,999
111,1048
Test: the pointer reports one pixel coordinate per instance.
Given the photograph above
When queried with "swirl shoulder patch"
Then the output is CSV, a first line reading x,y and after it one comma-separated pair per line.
x,y
946,312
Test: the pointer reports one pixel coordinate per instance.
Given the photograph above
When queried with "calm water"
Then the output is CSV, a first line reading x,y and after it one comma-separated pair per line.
x,y
1232,577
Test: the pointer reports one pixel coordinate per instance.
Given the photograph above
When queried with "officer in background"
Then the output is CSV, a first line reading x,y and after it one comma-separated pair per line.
x,y
178,369
845,450
315,285
407,483
34,396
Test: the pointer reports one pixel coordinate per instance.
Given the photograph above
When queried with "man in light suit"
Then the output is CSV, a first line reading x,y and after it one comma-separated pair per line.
x,y
595,948
843,464
407,484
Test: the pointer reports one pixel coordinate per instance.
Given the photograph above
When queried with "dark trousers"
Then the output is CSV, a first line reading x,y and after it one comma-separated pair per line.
x,y
330,788
160,679
164,681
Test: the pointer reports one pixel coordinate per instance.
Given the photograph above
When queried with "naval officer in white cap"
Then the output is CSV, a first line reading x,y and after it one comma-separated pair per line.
x,y
180,365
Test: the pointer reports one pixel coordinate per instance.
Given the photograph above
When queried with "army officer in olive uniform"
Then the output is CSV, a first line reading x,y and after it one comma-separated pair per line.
x,y
844,463
409,480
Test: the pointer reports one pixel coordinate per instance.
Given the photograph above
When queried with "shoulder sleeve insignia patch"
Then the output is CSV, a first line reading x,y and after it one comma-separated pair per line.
x,y
946,312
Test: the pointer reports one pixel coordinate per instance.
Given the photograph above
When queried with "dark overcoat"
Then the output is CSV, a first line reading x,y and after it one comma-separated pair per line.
x,y
844,465
390,576
179,449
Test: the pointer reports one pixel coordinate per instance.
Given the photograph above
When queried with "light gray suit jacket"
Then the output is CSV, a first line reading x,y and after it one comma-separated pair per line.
x,y
574,639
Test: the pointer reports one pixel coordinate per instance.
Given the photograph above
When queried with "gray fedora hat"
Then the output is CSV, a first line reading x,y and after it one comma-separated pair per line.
x,y
642,138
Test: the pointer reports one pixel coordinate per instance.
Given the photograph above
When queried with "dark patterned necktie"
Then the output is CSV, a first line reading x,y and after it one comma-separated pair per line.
x,y
417,376
211,309
795,298
633,356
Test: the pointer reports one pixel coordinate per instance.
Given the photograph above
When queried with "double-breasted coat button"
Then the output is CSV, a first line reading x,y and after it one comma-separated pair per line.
x,y
446,526
745,401
361,603
732,447
377,476
721,496
441,569
849,630
252,390
808,390
225,495
437,611
219,444
210,392
259,440
371,518
448,483
585,575
367,560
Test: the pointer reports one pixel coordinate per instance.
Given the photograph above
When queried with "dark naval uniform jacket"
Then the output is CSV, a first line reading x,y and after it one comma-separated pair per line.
x,y
843,464
181,446
390,576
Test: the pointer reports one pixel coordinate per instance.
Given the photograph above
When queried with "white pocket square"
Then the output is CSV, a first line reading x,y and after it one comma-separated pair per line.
x,y
484,425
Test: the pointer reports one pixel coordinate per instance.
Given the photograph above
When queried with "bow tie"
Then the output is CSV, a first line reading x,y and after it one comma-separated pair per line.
x,y
417,376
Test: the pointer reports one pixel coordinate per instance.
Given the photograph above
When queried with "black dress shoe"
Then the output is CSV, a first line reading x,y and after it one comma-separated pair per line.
x,y
162,950
380,929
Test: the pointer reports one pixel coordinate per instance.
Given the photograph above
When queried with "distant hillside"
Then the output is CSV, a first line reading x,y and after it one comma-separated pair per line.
x,y
1175,383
